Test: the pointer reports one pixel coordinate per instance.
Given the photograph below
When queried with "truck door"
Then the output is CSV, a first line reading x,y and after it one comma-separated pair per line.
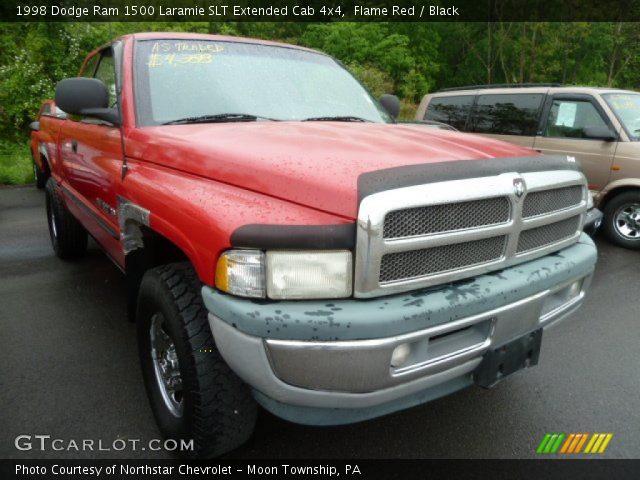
x,y
91,150
562,132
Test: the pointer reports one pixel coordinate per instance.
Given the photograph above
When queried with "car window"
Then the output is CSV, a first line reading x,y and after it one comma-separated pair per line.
x,y
452,110
568,118
107,73
90,67
507,114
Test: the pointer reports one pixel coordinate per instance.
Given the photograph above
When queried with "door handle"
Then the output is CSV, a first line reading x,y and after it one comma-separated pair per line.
x,y
74,146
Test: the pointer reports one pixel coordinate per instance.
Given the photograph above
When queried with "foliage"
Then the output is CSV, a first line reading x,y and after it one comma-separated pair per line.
x,y
602,54
384,47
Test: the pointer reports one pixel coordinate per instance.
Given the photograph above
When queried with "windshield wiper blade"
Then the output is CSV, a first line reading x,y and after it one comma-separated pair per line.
x,y
343,118
219,117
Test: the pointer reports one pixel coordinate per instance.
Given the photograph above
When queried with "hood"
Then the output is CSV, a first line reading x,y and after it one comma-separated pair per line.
x,y
315,164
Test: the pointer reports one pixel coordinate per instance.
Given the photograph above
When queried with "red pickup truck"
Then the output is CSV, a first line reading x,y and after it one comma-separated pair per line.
x,y
287,244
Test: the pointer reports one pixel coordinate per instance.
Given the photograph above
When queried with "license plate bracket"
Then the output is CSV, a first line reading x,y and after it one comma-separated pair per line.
x,y
523,352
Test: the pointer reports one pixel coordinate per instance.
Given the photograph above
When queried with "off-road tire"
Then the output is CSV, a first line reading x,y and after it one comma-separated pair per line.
x,y
39,176
68,236
218,410
611,210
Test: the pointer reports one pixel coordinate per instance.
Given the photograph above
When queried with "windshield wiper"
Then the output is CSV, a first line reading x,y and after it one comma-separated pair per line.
x,y
344,118
219,117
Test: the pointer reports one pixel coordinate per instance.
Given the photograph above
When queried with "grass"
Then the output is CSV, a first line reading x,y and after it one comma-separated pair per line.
x,y
15,164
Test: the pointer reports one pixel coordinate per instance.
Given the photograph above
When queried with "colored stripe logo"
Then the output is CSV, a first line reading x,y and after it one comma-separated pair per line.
x,y
574,443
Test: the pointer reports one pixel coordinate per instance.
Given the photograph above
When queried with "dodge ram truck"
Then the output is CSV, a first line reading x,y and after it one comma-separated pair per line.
x,y
286,244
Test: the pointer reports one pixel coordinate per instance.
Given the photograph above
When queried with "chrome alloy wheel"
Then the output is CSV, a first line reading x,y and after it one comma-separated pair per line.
x,y
627,221
166,366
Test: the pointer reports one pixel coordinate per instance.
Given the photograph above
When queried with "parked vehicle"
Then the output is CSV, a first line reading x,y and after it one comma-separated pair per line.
x,y
600,127
285,244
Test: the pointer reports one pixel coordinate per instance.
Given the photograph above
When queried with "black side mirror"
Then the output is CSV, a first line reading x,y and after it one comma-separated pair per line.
x,y
87,97
600,132
34,126
391,104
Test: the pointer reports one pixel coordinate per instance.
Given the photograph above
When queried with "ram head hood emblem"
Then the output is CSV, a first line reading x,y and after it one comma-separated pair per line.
x,y
519,187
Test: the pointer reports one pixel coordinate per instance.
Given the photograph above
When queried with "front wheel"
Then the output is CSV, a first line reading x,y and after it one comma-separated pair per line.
x,y
192,391
622,219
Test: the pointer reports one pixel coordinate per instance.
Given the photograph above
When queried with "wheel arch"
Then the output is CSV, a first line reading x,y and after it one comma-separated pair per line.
x,y
616,188
146,248
44,158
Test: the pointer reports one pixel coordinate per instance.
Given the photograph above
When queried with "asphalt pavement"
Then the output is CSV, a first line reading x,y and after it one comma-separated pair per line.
x,y
69,369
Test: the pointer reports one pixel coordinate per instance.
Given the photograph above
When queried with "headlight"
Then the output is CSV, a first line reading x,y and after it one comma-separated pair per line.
x,y
299,275
283,275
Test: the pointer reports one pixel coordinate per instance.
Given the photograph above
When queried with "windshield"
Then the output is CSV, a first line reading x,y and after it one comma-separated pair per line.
x,y
626,106
183,81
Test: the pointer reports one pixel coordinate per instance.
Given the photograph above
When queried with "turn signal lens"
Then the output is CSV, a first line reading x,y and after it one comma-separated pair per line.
x,y
241,272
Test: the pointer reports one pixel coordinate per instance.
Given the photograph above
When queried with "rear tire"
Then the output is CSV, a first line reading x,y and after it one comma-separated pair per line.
x,y
622,219
192,392
68,236
39,176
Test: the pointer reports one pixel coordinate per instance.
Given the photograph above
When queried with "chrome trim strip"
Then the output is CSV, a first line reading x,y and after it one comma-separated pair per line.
x,y
557,216
101,222
440,239
371,246
393,341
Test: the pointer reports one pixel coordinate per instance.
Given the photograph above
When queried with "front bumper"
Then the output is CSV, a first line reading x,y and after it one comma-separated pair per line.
x,y
330,363
592,221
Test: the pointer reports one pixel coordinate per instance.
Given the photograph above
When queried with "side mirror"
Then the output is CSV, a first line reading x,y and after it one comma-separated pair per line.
x,y
87,97
391,104
599,132
34,126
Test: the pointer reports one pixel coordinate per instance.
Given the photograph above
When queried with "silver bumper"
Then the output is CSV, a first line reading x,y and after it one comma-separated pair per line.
x,y
360,373
592,221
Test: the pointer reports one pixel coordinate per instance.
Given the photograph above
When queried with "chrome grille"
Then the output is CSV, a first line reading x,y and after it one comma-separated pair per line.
x,y
446,218
429,261
425,235
547,201
547,234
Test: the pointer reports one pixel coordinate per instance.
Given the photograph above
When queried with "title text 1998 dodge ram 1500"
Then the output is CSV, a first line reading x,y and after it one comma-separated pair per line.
x,y
286,244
